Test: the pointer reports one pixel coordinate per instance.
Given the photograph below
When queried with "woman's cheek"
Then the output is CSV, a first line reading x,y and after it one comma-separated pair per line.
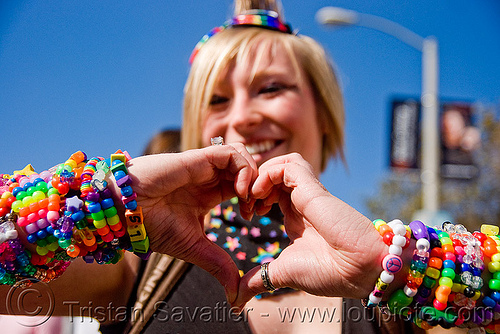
x,y
289,112
206,135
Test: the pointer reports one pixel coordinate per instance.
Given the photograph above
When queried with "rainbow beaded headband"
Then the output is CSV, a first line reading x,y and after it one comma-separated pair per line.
x,y
266,19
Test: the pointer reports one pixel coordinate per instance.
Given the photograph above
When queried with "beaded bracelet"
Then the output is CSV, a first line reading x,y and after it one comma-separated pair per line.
x,y
67,212
133,213
469,262
447,275
14,258
457,259
402,298
434,266
394,234
99,202
488,237
429,281
101,213
489,241
35,209
458,306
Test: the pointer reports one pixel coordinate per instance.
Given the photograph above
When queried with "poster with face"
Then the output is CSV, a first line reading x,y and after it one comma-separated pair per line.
x,y
459,138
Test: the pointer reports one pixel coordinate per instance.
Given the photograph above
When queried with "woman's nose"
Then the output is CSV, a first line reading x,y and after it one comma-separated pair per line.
x,y
244,115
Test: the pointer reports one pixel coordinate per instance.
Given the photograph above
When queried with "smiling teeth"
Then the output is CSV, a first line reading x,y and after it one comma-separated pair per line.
x,y
261,147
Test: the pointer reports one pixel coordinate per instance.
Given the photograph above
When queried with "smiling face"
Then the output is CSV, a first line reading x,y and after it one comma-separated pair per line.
x,y
267,106
277,93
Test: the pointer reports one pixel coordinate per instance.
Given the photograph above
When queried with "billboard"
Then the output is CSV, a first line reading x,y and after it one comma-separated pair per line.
x,y
459,138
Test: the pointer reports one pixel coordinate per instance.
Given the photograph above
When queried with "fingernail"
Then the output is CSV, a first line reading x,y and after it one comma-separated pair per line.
x,y
251,202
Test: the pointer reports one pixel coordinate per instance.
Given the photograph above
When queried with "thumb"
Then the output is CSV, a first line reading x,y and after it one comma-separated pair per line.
x,y
219,264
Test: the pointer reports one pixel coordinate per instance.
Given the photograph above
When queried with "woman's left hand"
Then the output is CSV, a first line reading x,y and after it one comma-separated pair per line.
x,y
334,250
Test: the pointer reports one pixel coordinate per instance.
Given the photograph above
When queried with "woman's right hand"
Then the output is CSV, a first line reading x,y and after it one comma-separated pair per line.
x,y
176,191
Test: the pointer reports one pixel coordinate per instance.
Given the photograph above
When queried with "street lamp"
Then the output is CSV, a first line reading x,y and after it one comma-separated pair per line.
x,y
335,16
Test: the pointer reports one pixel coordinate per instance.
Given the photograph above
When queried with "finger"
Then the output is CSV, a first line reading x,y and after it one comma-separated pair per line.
x,y
284,169
243,187
228,158
252,284
274,196
247,208
218,263
243,151
266,180
292,158
261,208
247,215
290,176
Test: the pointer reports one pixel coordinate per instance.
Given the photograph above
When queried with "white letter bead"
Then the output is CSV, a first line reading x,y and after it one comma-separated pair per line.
x,y
399,240
386,277
395,222
399,229
396,250
423,244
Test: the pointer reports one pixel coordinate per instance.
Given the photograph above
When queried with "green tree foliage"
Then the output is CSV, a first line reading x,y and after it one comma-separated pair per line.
x,y
470,202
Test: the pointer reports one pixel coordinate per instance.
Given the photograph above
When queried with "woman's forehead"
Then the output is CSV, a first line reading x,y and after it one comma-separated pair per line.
x,y
262,60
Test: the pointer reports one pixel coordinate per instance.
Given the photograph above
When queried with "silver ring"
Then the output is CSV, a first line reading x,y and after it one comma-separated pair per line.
x,y
264,274
217,141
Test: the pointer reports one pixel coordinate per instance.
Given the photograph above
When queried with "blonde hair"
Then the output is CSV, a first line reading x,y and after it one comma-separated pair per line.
x,y
240,6
238,44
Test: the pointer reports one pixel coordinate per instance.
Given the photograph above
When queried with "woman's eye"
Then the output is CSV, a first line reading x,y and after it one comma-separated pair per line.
x,y
272,88
216,99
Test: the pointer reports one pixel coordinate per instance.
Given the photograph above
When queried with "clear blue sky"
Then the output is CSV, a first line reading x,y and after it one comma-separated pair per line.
x,y
102,75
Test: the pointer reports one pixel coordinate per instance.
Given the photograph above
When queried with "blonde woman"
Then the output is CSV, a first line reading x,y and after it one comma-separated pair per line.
x,y
273,97
257,83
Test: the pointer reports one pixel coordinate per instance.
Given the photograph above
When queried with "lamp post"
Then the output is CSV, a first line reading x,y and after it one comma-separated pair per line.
x,y
334,16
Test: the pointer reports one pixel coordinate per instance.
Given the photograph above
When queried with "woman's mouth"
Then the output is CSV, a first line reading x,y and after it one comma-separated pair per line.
x,y
262,147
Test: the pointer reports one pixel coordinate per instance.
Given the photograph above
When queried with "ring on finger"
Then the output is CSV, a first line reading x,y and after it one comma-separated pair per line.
x,y
217,141
264,274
